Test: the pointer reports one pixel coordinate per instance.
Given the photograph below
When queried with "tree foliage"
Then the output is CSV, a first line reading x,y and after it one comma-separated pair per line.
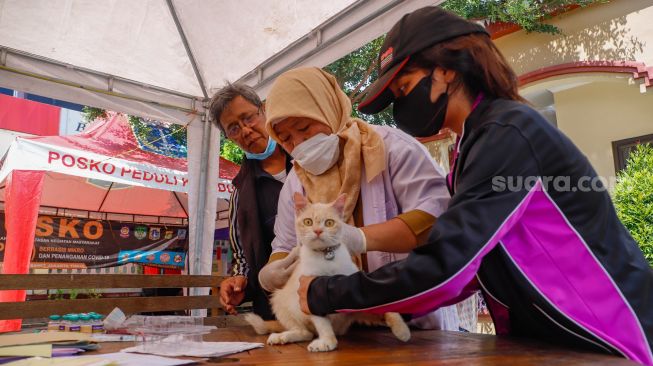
x,y
633,198
90,114
230,151
528,14
350,71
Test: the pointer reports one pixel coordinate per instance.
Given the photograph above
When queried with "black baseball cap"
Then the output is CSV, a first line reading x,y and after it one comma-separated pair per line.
x,y
412,33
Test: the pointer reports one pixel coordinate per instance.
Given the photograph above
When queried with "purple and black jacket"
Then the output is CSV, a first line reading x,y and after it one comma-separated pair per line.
x,y
554,264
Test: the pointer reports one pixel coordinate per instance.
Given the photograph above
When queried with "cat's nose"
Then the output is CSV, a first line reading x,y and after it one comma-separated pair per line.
x,y
317,232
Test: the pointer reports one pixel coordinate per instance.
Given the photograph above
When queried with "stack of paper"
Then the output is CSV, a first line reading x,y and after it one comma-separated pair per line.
x,y
109,359
46,344
203,349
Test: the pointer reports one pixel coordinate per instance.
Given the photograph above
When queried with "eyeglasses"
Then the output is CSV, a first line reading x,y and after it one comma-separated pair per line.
x,y
236,128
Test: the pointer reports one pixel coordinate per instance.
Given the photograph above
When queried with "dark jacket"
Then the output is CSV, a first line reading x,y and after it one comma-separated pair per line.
x,y
550,256
254,203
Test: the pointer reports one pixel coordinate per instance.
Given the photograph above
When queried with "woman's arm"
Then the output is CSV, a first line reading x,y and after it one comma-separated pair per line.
x,y
392,236
436,273
420,192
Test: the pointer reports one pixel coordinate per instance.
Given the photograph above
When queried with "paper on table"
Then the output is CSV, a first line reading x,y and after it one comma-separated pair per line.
x,y
43,350
133,359
204,349
62,361
46,337
113,337
60,352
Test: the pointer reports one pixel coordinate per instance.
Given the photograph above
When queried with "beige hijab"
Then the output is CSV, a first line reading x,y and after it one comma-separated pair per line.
x,y
315,94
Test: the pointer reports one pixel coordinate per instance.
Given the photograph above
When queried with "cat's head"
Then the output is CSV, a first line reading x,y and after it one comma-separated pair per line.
x,y
318,224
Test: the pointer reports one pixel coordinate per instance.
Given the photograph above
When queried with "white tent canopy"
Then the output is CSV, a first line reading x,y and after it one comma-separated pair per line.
x,y
162,59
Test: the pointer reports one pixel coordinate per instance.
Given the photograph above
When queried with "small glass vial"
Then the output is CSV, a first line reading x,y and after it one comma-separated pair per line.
x,y
75,325
85,323
97,325
65,323
54,323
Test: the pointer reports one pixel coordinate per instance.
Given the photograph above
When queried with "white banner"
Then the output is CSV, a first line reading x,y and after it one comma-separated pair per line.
x,y
32,155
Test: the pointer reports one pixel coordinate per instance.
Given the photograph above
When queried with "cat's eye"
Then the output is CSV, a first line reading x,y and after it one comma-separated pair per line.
x,y
329,222
308,222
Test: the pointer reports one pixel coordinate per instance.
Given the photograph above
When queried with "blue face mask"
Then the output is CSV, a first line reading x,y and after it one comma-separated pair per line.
x,y
265,154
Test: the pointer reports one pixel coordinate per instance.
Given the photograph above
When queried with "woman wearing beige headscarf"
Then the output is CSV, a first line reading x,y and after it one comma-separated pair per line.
x,y
394,189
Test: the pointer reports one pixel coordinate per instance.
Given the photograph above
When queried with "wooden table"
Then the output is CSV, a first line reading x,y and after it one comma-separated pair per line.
x,y
379,347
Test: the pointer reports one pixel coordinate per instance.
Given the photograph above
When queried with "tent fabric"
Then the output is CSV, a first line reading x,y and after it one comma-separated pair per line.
x,y
107,151
106,35
64,191
21,213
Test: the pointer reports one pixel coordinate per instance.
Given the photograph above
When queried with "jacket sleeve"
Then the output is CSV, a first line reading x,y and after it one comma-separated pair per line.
x,y
437,273
239,266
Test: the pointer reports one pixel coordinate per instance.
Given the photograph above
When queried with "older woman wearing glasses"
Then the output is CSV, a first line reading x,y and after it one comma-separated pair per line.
x,y
239,113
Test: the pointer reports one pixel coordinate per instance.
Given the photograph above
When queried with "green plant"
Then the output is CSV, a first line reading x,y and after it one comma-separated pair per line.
x,y
57,295
93,293
73,293
633,198
60,294
91,113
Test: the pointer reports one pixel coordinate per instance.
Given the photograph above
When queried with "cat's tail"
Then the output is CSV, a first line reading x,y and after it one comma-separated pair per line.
x,y
263,326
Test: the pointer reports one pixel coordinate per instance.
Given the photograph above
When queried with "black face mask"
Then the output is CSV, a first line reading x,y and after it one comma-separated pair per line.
x,y
416,115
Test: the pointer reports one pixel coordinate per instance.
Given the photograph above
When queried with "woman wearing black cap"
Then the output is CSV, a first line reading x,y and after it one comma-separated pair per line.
x,y
529,223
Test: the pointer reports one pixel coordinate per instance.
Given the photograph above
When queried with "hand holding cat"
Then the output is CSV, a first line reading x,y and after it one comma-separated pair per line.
x,y
302,291
275,274
354,239
232,293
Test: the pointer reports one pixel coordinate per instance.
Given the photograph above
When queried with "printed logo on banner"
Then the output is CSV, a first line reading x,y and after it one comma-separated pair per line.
x,y
124,232
167,140
155,233
124,256
164,257
181,234
140,232
168,234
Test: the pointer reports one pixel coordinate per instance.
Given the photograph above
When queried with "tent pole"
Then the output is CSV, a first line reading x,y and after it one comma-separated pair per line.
x,y
195,266
184,40
105,197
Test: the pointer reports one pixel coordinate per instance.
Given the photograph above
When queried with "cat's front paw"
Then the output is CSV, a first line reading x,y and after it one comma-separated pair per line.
x,y
398,326
277,338
322,345
402,332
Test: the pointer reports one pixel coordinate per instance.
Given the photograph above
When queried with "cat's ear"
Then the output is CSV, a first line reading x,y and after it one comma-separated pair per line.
x,y
300,202
339,203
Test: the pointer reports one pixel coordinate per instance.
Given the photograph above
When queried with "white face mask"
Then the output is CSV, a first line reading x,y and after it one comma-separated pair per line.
x,y
317,154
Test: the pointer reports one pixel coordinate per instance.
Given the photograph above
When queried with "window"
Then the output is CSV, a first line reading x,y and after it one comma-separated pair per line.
x,y
621,149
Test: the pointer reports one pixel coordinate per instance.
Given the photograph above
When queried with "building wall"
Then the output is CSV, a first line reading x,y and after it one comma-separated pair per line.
x,y
594,115
591,110
621,30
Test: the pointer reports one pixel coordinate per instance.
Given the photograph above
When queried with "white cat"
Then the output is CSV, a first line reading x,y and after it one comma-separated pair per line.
x,y
321,253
